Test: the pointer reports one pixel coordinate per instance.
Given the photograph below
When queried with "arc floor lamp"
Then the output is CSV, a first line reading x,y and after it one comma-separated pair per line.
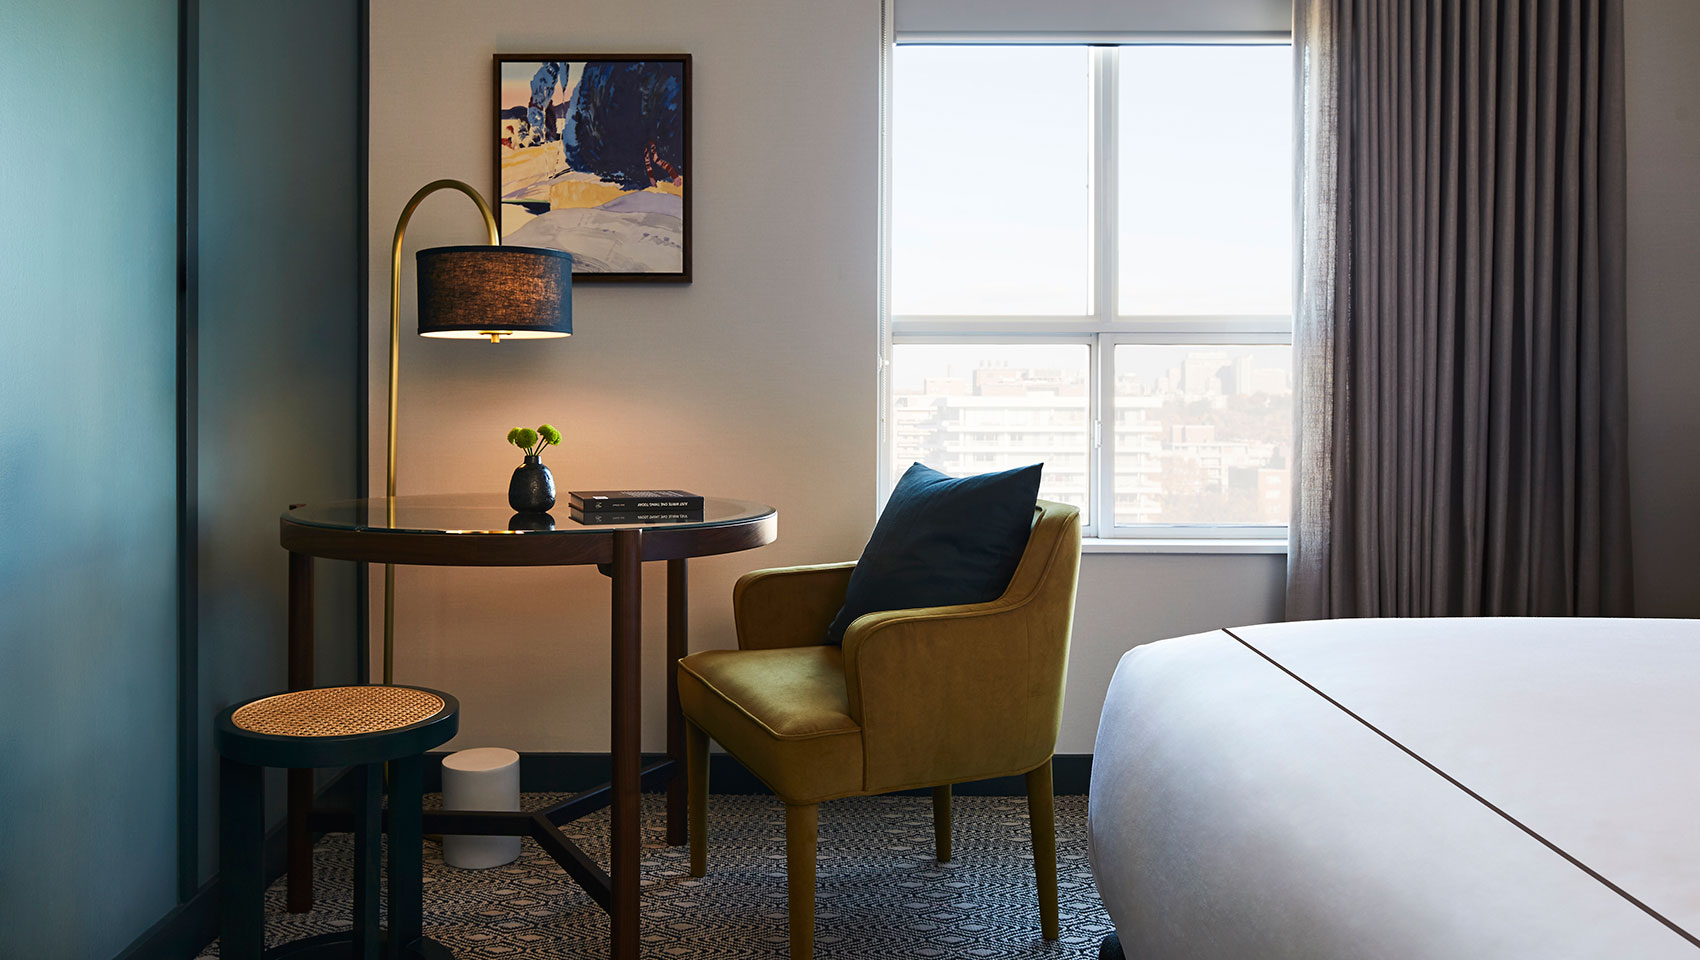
x,y
477,292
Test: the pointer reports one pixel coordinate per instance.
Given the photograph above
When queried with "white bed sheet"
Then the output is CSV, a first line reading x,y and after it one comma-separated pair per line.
x,y
1237,812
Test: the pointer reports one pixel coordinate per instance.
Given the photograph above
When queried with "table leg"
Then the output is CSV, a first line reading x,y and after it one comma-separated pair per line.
x,y
627,702
678,645
300,792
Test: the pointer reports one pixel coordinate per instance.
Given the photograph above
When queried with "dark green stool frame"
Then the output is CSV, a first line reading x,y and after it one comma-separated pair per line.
x,y
244,754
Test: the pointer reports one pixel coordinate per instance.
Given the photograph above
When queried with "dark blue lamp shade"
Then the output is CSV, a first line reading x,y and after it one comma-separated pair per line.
x,y
491,292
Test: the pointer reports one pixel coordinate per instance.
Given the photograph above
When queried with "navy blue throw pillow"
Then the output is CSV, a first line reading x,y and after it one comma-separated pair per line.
x,y
942,541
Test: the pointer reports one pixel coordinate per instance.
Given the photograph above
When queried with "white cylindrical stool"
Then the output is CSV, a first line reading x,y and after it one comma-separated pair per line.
x,y
482,778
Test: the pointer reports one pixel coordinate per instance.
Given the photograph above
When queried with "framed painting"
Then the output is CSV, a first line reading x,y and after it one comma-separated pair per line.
x,y
593,156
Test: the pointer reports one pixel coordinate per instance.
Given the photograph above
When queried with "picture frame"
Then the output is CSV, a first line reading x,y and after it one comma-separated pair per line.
x,y
600,169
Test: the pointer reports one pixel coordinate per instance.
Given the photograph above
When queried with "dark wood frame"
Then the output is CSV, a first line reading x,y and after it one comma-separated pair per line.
x,y
684,275
619,553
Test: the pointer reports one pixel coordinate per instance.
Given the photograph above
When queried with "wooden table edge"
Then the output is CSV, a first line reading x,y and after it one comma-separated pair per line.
x,y
522,549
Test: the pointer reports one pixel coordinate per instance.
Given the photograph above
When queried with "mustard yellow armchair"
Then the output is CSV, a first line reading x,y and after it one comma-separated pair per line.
x,y
914,698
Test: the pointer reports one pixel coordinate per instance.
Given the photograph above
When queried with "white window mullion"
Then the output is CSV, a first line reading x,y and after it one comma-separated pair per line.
x,y
882,362
1103,519
1106,278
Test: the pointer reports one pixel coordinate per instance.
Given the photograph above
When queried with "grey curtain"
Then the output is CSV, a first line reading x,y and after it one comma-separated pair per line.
x,y
1459,335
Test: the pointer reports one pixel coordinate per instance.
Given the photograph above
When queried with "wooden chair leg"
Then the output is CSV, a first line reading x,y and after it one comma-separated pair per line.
x,y
941,823
802,822
1041,815
696,776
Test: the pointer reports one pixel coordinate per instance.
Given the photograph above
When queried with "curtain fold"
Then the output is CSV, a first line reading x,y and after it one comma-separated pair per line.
x,y
1459,336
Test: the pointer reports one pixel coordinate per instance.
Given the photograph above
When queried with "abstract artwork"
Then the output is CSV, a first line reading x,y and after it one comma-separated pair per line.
x,y
593,157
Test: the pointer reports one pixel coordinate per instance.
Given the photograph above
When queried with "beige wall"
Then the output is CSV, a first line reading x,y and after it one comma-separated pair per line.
x,y
755,381
1663,115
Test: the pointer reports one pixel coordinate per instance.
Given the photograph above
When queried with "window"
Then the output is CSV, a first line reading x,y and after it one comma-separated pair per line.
x,y
972,407
1091,267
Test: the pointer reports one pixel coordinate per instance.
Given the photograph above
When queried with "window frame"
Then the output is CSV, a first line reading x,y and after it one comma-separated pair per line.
x,y
1104,328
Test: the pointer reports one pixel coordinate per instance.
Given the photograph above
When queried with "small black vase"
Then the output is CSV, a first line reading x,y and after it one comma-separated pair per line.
x,y
532,490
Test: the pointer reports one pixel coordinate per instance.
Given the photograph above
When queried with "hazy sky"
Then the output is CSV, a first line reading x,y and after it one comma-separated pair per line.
x,y
991,180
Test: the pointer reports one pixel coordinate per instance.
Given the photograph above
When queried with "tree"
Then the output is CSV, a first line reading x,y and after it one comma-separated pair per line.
x,y
626,123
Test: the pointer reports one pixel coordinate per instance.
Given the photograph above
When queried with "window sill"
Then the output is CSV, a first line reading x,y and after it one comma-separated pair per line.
x,y
1182,545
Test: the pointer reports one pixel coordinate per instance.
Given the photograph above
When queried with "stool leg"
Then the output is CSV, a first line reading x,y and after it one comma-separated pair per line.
x,y
241,843
407,859
368,831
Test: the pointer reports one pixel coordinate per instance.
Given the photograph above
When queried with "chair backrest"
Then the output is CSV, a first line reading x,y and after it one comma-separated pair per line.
x,y
1045,582
962,693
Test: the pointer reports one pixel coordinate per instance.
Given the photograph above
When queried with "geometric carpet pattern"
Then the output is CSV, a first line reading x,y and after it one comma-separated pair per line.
x,y
880,895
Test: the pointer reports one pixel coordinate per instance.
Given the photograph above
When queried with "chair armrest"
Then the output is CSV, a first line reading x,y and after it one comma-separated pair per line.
x,y
788,606
944,694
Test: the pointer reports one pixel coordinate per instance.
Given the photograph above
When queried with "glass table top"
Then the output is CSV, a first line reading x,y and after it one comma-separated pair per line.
x,y
490,513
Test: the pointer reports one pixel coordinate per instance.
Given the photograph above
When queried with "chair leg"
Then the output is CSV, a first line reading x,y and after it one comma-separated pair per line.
x,y
941,823
802,822
1041,815
696,776
241,841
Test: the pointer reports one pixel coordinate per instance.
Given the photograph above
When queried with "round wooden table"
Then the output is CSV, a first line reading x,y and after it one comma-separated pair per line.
x,y
479,530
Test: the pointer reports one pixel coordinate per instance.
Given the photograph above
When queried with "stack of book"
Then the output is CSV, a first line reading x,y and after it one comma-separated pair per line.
x,y
634,506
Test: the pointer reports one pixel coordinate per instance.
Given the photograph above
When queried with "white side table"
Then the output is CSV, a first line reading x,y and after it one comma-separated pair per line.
x,y
481,778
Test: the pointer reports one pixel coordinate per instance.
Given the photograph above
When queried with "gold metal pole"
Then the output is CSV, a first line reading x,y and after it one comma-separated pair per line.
x,y
395,373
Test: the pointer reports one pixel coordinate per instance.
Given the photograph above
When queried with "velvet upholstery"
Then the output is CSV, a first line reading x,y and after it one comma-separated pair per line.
x,y
783,712
947,694
914,698
786,607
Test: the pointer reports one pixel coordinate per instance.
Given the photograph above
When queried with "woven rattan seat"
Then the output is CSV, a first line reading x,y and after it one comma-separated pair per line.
x,y
337,711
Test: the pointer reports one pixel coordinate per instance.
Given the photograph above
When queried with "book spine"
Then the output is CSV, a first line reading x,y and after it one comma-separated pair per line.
x,y
635,517
627,506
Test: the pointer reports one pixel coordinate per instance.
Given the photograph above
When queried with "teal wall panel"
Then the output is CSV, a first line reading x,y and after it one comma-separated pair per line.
x,y
88,509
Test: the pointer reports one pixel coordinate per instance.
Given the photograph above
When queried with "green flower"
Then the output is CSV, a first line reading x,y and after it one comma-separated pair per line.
x,y
525,438
513,436
550,434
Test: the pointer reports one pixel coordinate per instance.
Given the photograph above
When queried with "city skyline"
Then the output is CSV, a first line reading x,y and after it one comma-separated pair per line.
x,y
1201,434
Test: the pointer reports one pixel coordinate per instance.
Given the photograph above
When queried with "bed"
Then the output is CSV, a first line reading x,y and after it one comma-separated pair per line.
x,y
1402,789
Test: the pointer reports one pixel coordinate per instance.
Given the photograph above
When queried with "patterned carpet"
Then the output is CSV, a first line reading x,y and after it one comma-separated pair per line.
x,y
880,894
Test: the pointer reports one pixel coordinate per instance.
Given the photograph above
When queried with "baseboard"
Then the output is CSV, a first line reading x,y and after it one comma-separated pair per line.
x,y
191,925
571,772
181,933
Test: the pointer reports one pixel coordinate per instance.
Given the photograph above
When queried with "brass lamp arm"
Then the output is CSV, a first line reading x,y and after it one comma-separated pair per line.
x,y
395,376
395,294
